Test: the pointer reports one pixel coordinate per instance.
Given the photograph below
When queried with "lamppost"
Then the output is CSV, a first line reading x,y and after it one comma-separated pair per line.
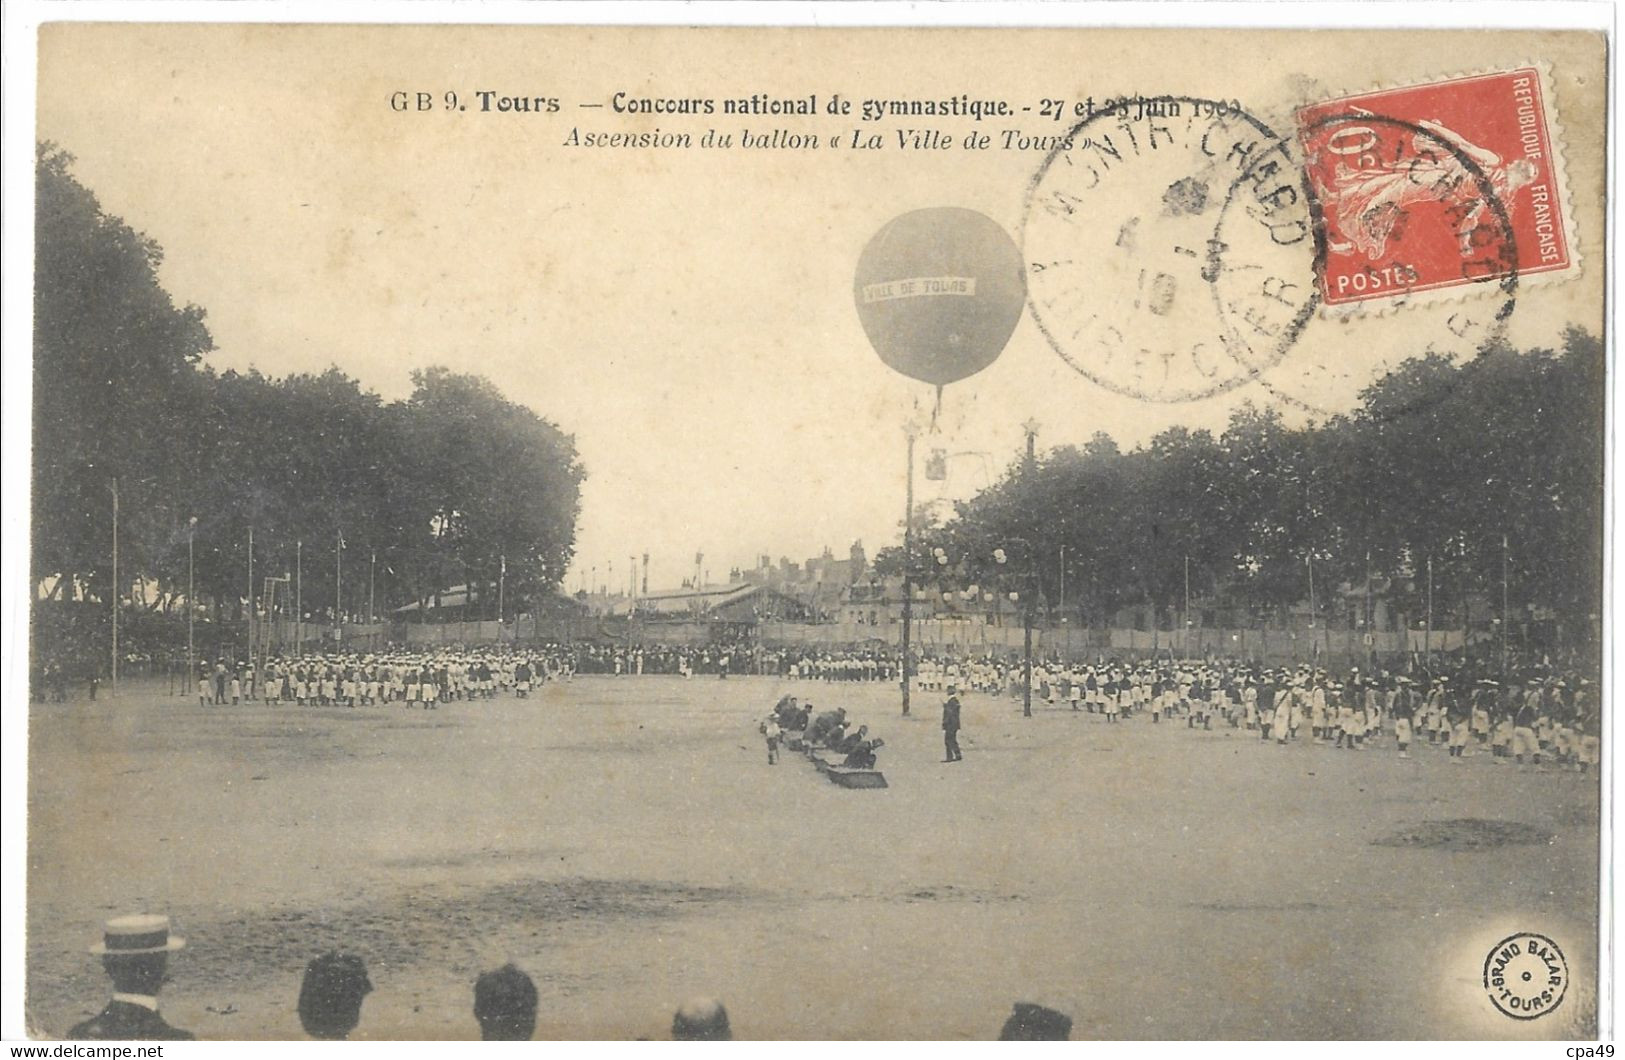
x,y
1001,557
1427,634
338,588
910,431
1187,615
298,599
1314,645
250,608
1030,429
1505,621
115,593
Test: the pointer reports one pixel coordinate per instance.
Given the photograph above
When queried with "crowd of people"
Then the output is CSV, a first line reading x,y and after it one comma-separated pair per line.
x,y
739,657
135,952
1537,712
362,679
854,665
429,676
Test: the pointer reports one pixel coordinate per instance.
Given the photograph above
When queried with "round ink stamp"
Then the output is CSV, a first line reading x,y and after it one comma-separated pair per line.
x,y
1170,248
1526,976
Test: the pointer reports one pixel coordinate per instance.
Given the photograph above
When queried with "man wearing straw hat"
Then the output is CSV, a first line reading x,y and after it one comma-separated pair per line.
x,y
135,952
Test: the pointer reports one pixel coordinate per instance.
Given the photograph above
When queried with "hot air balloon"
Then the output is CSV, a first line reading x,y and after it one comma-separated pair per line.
x,y
938,292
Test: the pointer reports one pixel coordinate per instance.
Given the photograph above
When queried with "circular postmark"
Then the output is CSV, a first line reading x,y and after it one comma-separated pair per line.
x,y
1526,976
1170,248
1145,204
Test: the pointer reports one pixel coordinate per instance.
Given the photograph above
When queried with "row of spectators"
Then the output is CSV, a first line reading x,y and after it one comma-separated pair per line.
x,y
135,953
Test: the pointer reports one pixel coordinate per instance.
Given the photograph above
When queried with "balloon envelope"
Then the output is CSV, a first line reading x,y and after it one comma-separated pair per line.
x,y
939,291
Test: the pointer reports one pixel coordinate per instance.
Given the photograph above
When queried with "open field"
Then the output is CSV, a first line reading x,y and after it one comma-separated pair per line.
x,y
625,842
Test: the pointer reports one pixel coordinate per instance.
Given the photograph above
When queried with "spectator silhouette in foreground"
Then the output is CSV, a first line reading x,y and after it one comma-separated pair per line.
x,y
330,997
505,1005
701,1019
1035,1023
135,952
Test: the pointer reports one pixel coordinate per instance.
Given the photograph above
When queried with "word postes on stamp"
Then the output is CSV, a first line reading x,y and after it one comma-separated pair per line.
x,y
1437,187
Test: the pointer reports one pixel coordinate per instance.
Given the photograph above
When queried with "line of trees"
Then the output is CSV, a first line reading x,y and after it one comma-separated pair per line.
x,y
443,487
1439,461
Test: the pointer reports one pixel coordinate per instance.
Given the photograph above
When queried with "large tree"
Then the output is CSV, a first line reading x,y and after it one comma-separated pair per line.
x,y
116,396
448,486
1439,461
489,486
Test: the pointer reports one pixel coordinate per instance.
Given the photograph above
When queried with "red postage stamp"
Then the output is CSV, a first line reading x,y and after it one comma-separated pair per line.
x,y
1437,186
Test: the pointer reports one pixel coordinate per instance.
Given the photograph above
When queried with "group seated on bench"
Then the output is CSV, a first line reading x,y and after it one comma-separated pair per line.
x,y
791,716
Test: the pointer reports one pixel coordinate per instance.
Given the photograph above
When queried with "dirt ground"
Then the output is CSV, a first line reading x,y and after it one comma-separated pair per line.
x,y
626,843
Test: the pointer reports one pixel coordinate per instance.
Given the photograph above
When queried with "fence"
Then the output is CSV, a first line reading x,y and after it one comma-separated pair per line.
x,y
287,637
1334,647
1262,645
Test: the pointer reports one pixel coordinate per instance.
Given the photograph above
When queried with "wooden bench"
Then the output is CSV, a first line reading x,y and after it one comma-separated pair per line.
x,y
829,763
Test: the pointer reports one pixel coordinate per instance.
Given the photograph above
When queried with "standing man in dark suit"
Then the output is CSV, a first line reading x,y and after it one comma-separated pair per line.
x,y
950,725
135,952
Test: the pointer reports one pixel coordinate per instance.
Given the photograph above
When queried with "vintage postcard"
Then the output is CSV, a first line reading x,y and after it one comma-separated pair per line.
x,y
597,532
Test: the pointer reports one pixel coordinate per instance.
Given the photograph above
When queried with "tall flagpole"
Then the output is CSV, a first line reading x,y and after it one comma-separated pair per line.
x,y
1314,642
251,596
1427,634
372,585
1187,615
298,599
191,607
1370,618
1466,606
1029,586
908,564
1505,624
1062,605
338,583
115,588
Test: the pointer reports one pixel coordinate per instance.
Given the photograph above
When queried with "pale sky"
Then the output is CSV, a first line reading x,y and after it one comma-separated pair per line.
x,y
688,317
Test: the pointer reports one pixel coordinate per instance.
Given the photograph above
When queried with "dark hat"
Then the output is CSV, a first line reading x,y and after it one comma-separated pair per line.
x,y
331,994
701,1019
505,1005
1035,1023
